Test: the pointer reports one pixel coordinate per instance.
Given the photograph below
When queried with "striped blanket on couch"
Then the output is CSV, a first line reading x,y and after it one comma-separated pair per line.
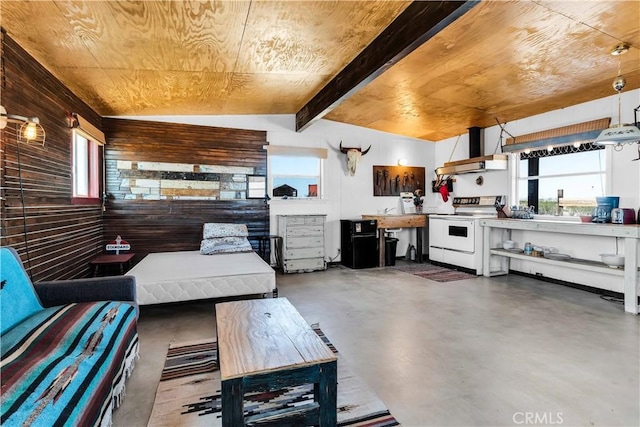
x,y
66,364
69,364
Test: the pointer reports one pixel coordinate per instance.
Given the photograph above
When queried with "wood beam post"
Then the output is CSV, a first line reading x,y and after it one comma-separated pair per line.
x,y
420,21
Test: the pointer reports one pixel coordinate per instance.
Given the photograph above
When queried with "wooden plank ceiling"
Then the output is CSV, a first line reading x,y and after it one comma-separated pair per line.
x,y
501,59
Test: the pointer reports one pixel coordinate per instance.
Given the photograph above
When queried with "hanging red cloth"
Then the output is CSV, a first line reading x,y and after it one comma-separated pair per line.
x,y
444,192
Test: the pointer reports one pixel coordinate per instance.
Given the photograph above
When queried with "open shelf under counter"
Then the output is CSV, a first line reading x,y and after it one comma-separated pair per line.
x,y
579,263
629,233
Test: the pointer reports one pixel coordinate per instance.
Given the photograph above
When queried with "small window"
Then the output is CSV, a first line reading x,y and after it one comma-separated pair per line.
x,y
86,168
296,173
572,178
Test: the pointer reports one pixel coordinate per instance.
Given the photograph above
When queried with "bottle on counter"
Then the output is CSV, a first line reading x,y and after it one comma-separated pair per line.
x,y
528,248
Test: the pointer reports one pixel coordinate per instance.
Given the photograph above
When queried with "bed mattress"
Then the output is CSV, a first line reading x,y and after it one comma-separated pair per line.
x,y
184,276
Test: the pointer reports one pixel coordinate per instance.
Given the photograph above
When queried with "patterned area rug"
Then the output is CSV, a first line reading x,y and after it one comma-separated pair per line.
x,y
434,272
189,392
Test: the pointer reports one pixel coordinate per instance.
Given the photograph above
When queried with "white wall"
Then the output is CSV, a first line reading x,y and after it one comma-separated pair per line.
x,y
623,179
346,197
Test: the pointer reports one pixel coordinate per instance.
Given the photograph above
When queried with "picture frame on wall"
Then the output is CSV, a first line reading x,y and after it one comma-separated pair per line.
x,y
256,186
393,180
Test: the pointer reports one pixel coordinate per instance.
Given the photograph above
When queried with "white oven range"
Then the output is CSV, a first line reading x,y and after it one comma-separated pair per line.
x,y
456,239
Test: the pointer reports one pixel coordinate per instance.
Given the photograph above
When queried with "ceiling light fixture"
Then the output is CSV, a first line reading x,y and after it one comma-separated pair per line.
x,y
619,134
30,128
620,49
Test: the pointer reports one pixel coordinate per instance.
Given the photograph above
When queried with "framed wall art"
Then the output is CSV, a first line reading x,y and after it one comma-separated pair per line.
x,y
392,180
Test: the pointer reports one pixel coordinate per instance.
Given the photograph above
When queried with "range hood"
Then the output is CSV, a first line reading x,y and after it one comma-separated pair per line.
x,y
474,165
477,162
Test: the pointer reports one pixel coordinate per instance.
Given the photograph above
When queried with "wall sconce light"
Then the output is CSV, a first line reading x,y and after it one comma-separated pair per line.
x,y
403,162
30,128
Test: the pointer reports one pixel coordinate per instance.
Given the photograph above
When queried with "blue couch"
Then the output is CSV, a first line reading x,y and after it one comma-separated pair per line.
x,y
67,347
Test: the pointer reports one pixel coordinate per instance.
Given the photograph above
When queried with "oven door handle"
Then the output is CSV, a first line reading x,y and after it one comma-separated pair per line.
x,y
451,250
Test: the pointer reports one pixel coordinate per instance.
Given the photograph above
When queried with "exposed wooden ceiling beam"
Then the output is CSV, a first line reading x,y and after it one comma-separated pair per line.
x,y
420,21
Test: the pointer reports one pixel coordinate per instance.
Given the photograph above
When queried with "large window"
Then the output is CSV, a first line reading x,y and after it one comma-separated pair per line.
x,y
86,168
565,181
296,172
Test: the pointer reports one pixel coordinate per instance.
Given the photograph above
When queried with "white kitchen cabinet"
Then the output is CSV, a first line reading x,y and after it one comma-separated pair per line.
x,y
302,248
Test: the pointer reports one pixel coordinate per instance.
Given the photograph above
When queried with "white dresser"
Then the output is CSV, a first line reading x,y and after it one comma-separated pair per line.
x,y
302,242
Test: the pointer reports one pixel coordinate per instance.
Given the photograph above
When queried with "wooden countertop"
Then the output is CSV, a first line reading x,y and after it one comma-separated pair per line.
x,y
399,221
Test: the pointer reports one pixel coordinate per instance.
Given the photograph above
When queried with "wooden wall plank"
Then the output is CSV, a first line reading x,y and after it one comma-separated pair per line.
x,y
176,225
54,238
61,237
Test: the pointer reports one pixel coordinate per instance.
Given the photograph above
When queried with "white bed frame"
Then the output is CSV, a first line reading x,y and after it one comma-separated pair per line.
x,y
185,276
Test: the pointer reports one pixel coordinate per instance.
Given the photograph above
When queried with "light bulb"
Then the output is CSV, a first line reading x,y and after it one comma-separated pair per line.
x,y
403,162
576,144
550,148
3,117
527,150
30,132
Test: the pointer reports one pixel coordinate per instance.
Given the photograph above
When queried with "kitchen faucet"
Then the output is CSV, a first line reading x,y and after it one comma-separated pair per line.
x,y
387,210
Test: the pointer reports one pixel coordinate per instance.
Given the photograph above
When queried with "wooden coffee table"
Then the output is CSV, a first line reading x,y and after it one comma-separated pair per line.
x,y
265,344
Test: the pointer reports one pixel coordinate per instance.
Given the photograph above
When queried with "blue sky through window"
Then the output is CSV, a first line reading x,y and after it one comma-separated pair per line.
x,y
297,172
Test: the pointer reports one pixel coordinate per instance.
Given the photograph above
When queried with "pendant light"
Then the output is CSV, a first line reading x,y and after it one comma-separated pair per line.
x,y
619,134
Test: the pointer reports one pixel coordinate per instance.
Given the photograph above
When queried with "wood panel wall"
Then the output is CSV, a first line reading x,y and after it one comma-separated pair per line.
x,y
54,238
174,225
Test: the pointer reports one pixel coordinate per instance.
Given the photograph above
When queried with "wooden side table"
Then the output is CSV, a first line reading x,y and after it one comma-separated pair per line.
x,y
265,344
108,259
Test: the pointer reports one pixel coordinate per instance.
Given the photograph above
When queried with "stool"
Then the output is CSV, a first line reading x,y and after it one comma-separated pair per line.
x,y
265,247
108,259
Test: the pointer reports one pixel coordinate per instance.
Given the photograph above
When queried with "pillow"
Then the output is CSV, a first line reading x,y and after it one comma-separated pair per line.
x,y
210,247
228,240
215,229
18,298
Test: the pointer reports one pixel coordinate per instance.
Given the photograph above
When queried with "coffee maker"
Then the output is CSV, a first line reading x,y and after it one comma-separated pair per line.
x,y
604,205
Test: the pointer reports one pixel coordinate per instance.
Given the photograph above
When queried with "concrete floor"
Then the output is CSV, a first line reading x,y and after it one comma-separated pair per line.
x,y
502,351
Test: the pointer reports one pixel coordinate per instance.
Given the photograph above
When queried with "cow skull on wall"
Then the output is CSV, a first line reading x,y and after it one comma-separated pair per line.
x,y
353,157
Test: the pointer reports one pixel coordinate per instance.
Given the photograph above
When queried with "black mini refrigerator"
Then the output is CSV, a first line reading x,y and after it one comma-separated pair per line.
x,y
359,243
